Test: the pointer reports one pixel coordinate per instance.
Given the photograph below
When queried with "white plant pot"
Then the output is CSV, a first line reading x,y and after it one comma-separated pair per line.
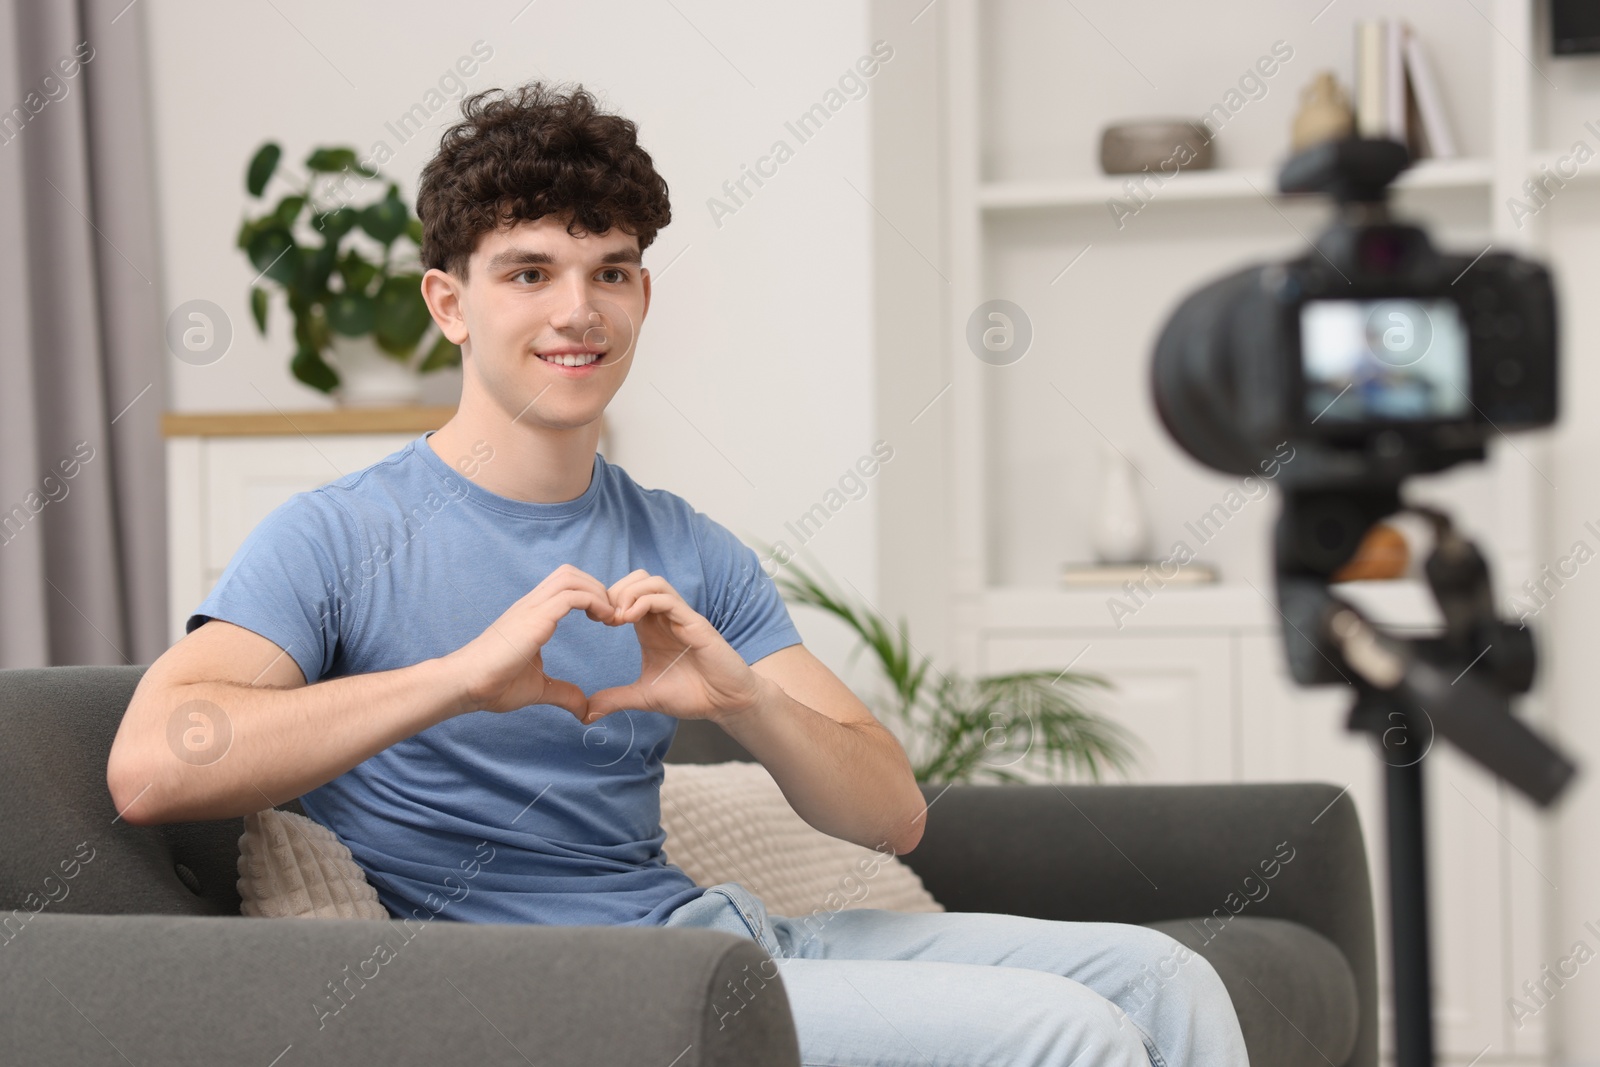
x,y
370,377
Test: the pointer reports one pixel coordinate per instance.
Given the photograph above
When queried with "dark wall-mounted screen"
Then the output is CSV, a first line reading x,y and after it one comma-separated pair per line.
x,y
1574,26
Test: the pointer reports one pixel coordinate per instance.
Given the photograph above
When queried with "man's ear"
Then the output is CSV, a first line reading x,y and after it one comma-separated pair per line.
x,y
442,292
644,275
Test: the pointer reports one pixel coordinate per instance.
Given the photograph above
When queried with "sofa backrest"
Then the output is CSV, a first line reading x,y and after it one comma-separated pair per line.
x,y
63,847
703,741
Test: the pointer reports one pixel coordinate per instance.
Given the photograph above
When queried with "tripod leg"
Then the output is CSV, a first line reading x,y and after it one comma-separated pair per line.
x,y
1408,910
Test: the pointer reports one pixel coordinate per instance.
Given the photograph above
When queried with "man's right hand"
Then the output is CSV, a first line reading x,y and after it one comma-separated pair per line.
x,y
502,669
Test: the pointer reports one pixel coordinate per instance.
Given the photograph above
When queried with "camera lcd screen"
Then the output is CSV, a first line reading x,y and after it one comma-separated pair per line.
x,y
1383,361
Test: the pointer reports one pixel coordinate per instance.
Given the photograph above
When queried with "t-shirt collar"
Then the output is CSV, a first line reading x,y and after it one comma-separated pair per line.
x,y
459,487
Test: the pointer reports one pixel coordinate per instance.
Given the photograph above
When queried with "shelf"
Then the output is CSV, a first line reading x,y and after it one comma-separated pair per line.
x,y
408,419
1406,603
1210,185
1583,173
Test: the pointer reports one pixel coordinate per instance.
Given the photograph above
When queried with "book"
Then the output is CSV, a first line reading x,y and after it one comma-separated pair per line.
x,y
1394,81
1156,570
1397,95
1436,134
1370,109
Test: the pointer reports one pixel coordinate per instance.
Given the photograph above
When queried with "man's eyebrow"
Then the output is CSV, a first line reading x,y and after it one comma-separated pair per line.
x,y
520,257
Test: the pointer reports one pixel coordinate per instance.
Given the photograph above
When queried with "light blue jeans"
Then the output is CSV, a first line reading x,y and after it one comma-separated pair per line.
x,y
869,987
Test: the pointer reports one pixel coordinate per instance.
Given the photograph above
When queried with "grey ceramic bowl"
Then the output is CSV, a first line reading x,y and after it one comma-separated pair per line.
x,y
1130,147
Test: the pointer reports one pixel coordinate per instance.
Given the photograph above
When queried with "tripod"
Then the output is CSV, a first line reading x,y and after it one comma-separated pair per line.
x,y
1457,686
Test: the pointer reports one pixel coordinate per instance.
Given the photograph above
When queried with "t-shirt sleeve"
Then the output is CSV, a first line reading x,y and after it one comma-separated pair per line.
x,y
285,582
743,601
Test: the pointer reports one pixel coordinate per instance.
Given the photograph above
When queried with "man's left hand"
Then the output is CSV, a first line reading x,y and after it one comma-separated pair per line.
x,y
686,668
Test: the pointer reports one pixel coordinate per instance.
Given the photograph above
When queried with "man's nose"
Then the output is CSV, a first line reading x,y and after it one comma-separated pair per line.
x,y
577,311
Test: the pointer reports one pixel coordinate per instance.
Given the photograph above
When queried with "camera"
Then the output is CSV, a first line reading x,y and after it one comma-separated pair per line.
x,y
1376,355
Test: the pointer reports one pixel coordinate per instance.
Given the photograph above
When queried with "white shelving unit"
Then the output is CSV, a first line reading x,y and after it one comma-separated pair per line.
x,y
1214,185
1199,671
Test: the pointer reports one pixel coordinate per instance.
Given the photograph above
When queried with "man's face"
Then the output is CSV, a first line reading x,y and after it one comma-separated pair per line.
x,y
538,298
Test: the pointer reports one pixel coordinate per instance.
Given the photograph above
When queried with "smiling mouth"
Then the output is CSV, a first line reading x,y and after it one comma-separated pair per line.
x,y
572,359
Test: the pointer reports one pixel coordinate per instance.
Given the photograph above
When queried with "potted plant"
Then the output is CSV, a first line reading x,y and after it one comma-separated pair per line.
x,y
960,729
352,286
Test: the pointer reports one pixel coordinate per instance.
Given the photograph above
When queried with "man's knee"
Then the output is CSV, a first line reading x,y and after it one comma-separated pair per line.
x,y
1089,1031
1163,966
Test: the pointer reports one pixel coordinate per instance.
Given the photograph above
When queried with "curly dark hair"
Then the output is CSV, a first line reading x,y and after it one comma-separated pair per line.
x,y
536,150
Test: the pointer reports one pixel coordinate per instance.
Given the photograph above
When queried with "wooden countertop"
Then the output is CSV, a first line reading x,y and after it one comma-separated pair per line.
x,y
408,419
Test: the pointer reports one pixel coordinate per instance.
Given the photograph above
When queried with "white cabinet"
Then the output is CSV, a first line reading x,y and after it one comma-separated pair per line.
x,y
1175,694
226,472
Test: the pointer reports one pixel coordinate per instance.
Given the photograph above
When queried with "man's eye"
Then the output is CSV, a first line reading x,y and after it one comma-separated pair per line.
x,y
621,275
530,270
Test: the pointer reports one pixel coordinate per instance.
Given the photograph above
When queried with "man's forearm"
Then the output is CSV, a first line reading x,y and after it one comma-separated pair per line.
x,y
280,743
849,780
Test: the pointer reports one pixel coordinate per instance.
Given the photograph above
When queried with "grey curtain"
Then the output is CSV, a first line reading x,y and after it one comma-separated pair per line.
x,y
82,371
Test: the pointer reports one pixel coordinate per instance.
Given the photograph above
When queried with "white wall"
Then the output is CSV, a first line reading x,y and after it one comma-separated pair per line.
x,y
1566,627
752,392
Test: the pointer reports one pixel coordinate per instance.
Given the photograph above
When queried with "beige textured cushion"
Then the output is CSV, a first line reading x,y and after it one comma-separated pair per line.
x,y
730,822
725,822
293,868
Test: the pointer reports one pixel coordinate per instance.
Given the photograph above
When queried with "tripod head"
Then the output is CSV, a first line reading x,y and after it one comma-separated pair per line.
x,y
1459,684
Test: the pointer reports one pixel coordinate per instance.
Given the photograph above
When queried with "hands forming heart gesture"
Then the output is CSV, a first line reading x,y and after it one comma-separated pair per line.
x,y
686,670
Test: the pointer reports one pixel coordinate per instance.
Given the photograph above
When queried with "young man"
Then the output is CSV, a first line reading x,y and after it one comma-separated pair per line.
x,y
486,639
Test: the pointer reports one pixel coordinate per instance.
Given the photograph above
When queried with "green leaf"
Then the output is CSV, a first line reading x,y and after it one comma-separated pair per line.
x,y
444,353
258,308
961,728
356,271
334,224
311,328
414,231
302,328
402,315
247,229
351,314
270,251
287,211
386,219
309,367
321,332
262,164
332,160
316,266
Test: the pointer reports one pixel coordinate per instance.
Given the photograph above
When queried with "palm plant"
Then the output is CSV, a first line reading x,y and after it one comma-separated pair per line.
x,y
970,728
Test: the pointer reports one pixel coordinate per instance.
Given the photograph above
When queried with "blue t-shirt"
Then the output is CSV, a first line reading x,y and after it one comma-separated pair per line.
x,y
523,816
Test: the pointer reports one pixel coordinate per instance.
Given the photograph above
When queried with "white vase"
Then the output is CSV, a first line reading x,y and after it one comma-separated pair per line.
x,y
369,376
1121,531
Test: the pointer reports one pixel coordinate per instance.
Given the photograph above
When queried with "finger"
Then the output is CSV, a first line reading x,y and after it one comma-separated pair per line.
x,y
567,578
614,699
529,626
551,611
654,583
627,580
563,694
669,604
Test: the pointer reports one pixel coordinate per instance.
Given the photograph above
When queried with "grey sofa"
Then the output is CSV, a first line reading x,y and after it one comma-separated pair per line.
x,y
121,943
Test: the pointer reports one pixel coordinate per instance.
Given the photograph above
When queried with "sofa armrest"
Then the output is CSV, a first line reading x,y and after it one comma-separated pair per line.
x,y
1147,853
211,989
